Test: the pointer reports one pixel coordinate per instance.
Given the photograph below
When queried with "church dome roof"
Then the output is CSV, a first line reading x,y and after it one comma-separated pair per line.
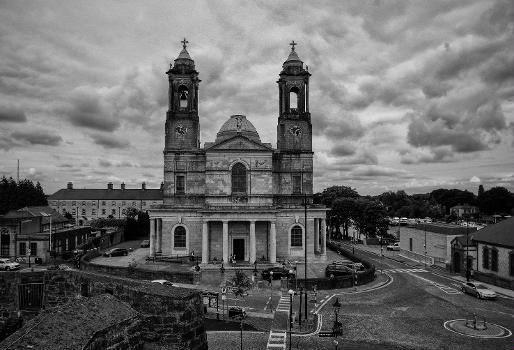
x,y
237,125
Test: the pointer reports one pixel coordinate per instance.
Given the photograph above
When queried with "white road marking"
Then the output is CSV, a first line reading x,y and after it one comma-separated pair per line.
x,y
267,303
446,289
404,270
276,340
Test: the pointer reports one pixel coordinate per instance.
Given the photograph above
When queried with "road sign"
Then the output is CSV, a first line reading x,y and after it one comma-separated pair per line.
x,y
326,334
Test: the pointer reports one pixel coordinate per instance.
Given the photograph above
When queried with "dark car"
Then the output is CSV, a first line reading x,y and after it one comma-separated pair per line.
x,y
278,273
116,252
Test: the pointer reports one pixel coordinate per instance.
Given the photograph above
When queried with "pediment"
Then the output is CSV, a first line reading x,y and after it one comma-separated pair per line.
x,y
239,143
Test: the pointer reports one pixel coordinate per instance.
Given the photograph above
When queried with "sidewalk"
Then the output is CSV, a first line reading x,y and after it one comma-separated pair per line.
x,y
434,269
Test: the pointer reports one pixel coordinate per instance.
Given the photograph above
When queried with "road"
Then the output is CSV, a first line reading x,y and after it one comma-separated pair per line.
x,y
407,313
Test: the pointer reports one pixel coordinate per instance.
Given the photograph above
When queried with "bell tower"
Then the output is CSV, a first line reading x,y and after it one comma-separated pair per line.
x,y
293,163
182,122
294,130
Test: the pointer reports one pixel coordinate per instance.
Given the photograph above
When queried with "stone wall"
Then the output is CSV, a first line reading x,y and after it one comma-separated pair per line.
x,y
169,315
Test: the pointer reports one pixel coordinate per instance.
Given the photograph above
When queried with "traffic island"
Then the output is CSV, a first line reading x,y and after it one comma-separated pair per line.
x,y
477,328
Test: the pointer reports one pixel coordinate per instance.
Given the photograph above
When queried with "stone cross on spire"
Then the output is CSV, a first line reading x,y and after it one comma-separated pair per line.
x,y
292,43
184,43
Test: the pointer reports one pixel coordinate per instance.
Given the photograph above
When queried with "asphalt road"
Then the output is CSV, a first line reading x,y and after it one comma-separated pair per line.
x,y
407,313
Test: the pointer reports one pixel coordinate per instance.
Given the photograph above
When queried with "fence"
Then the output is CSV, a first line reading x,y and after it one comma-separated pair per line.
x,y
134,272
342,281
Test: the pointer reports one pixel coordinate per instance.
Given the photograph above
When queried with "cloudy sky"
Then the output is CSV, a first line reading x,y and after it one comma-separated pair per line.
x,y
412,95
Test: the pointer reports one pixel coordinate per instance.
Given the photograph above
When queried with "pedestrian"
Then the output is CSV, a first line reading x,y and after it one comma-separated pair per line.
x,y
192,258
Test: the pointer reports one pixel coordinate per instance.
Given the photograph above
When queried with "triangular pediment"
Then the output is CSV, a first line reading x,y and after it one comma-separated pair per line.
x,y
240,143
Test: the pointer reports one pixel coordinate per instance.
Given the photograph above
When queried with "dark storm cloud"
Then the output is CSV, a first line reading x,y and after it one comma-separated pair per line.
x,y
37,137
343,149
496,20
13,115
86,110
110,141
104,163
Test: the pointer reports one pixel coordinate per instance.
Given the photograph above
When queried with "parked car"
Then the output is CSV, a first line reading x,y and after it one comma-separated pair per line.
x,y
278,273
116,252
478,290
163,282
236,312
145,243
8,265
394,246
338,268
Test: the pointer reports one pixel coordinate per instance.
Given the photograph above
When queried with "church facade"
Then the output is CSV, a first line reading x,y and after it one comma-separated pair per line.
x,y
237,197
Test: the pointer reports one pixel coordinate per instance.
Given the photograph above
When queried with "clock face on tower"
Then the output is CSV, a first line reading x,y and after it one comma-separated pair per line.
x,y
180,129
295,130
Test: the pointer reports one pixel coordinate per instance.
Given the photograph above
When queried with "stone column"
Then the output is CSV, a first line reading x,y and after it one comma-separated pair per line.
x,y
225,242
252,242
152,237
316,235
323,236
272,243
158,246
205,242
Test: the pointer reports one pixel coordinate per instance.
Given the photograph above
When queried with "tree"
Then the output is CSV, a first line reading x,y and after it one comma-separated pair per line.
x,y
497,200
16,195
241,284
370,217
480,190
341,215
330,194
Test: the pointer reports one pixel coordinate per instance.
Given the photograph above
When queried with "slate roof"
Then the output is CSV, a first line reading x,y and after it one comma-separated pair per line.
x,y
36,211
106,194
71,325
500,234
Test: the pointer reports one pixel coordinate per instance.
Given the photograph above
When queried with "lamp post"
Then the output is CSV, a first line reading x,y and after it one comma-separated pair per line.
x,y
337,326
291,293
242,316
305,250
467,249
425,245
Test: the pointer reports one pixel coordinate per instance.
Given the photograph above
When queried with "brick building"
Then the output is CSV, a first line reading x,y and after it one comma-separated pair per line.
x,y
86,204
237,196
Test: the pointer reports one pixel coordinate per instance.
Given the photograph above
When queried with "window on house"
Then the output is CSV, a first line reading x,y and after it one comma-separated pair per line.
x,y
511,264
93,212
73,203
494,260
113,203
123,203
33,249
93,202
180,184
23,248
113,211
179,237
103,202
485,258
144,203
296,236
103,211
83,212
297,183
83,202
238,178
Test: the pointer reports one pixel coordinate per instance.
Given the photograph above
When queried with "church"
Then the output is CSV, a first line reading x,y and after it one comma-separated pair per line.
x,y
238,197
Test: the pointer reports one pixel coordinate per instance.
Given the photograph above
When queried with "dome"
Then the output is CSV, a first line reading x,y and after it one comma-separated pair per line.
x,y
237,125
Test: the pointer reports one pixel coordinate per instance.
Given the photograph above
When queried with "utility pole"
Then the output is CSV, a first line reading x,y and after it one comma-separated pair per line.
x,y
467,249
18,172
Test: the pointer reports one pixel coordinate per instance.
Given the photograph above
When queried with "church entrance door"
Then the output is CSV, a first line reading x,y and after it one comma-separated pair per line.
x,y
239,248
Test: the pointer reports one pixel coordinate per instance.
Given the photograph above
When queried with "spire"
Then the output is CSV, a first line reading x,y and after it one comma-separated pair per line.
x,y
184,54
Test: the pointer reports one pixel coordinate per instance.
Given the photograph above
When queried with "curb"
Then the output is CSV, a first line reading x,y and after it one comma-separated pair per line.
x,y
431,268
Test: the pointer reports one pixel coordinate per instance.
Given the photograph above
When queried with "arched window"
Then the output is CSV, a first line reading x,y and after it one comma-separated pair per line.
x,y
179,237
296,237
293,99
182,96
238,178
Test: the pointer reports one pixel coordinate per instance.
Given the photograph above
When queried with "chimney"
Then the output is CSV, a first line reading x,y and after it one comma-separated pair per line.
x,y
109,186
70,186
143,186
122,186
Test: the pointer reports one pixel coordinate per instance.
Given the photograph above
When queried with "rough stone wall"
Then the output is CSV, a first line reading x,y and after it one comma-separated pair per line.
x,y
216,240
172,315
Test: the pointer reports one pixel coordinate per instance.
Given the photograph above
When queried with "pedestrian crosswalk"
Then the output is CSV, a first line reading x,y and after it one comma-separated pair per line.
x,y
276,340
404,270
283,303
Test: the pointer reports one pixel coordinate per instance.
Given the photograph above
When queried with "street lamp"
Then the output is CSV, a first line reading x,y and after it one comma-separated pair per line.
x,y
242,316
305,249
289,276
425,245
300,308
337,326
468,273
271,290
291,293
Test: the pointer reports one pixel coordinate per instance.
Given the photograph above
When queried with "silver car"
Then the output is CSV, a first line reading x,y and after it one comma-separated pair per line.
x,y
8,265
478,290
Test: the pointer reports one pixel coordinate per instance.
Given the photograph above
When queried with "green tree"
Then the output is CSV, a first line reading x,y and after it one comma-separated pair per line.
x,y
241,284
16,195
497,200
370,217
341,215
